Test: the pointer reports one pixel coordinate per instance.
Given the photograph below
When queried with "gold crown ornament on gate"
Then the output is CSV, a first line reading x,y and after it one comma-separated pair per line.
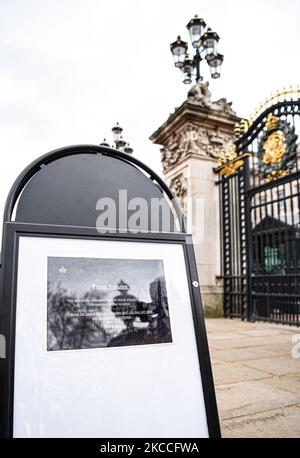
x,y
276,149
272,122
275,145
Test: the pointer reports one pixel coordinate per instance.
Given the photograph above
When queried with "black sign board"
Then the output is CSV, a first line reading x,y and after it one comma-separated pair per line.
x,y
100,304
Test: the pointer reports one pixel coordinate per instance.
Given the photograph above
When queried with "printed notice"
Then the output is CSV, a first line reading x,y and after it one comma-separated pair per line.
x,y
95,303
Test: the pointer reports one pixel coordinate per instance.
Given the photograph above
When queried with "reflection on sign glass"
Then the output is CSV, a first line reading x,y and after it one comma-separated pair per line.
x,y
94,303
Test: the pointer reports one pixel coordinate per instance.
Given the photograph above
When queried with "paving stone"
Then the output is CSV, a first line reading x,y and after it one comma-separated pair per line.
x,y
262,332
281,349
245,398
281,343
281,365
225,325
279,423
243,354
227,373
257,380
216,336
289,383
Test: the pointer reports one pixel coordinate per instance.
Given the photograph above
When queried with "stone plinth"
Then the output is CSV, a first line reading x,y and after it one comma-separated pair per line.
x,y
192,139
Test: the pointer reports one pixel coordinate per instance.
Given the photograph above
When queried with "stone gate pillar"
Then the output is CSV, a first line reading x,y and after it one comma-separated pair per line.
x,y
192,139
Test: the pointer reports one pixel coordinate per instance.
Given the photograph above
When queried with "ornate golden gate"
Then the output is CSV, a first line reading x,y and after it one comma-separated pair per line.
x,y
260,208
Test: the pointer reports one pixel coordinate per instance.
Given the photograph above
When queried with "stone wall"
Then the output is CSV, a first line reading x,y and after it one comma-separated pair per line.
x,y
192,139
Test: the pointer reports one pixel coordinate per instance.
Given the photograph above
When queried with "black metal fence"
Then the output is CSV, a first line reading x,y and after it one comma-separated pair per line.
x,y
260,216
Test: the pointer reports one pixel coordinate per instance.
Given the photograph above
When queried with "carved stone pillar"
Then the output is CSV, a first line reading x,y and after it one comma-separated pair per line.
x,y
192,138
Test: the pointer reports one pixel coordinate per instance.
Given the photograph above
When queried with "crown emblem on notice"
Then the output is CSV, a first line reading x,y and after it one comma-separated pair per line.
x,y
62,270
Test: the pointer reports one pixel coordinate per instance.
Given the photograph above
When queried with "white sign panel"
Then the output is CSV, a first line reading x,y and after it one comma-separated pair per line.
x,y
105,341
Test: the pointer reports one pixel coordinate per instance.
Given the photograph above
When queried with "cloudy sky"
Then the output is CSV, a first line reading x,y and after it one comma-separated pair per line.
x,y
70,69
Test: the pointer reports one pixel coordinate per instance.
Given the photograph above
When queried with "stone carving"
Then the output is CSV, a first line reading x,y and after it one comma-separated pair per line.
x,y
189,140
170,154
206,141
199,94
219,142
179,187
224,106
193,140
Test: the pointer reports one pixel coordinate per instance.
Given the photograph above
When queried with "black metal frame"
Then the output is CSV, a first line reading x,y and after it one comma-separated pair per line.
x,y
8,309
247,290
54,155
12,231
197,61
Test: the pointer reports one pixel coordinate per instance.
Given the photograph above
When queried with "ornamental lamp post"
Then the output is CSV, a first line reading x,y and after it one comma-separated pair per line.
x,y
187,69
119,142
179,49
209,42
215,62
128,149
205,44
195,28
117,133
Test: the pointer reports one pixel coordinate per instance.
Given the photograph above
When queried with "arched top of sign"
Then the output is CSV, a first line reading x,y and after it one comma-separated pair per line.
x,y
63,188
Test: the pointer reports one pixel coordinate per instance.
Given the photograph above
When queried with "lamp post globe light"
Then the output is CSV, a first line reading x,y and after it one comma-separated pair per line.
x,y
204,42
119,142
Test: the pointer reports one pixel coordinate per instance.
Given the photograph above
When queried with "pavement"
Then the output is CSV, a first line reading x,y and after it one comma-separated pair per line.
x,y
256,370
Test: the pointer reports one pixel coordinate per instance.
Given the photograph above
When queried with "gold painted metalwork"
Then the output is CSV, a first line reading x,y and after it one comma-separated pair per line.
x,y
272,122
241,127
281,96
276,174
227,155
274,147
232,166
